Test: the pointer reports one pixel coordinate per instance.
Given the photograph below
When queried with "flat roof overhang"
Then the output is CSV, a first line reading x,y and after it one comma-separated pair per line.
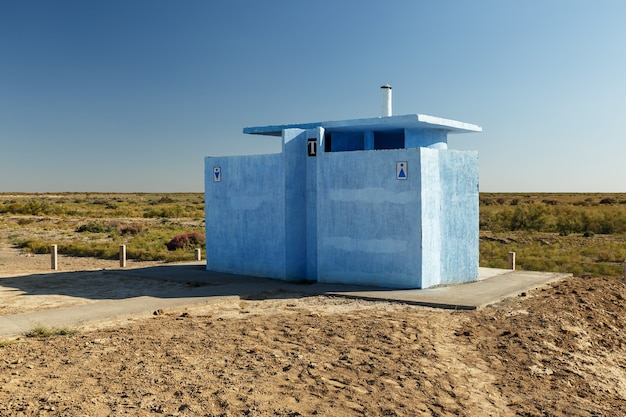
x,y
409,121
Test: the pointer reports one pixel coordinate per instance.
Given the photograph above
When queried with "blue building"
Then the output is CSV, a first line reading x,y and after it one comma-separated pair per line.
x,y
379,201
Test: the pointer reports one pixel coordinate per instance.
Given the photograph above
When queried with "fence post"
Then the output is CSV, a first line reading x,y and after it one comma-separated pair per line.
x,y
511,260
198,254
123,256
54,260
624,265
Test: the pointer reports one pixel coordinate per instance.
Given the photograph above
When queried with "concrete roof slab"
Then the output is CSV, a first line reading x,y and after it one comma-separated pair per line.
x,y
408,121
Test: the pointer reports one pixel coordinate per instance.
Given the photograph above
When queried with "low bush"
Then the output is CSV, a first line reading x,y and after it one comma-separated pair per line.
x,y
166,199
608,200
33,207
129,229
93,227
102,250
34,246
25,221
171,212
43,331
189,240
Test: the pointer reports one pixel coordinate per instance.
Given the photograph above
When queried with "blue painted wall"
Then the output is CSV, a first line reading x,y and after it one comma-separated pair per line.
x,y
374,229
430,178
344,217
427,138
368,229
294,153
459,216
245,215
311,205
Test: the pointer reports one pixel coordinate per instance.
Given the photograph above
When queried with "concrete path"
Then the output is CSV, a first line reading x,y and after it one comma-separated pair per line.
x,y
493,285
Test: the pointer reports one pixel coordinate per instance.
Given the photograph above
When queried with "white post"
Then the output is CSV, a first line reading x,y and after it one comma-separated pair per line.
x,y
198,254
54,260
511,260
123,256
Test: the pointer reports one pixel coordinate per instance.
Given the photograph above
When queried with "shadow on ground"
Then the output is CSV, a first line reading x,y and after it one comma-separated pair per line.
x,y
167,281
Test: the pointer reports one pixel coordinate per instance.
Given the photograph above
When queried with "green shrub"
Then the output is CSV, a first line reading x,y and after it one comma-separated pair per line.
x,y
34,246
93,227
171,212
529,217
33,207
25,221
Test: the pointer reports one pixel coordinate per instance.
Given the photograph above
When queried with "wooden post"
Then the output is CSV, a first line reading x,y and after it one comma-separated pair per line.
x,y
54,260
511,260
198,254
624,265
123,256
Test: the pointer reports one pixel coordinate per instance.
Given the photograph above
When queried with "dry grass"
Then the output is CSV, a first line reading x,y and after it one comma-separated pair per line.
x,y
584,234
581,233
95,225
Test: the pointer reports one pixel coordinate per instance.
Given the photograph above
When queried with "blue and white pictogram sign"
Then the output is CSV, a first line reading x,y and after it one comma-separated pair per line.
x,y
402,170
217,174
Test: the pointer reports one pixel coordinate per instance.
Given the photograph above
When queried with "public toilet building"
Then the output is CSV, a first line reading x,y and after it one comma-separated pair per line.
x,y
379,201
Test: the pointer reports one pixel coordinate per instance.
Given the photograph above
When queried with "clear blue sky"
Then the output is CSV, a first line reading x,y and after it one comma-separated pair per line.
x,y
130,95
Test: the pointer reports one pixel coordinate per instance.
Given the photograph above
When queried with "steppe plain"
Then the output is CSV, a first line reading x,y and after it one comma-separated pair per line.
x,y
555,351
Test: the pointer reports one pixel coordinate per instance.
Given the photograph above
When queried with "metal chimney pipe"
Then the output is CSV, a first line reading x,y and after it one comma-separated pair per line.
x,y
386,108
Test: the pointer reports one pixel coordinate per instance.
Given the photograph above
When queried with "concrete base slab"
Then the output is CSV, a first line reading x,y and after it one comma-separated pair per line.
x,y
493,285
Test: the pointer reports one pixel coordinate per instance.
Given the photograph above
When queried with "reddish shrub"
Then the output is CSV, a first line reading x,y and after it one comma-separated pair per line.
x,y
189,240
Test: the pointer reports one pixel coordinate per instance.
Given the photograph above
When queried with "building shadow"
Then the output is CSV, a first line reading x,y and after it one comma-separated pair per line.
x,y
165,281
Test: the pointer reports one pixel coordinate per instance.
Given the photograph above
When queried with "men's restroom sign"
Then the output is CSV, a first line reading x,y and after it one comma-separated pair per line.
x,y
311,147
402,170
217,174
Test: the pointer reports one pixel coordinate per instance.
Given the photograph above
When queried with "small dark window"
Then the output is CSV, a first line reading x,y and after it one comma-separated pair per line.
x,y
389,140
327,142
344,142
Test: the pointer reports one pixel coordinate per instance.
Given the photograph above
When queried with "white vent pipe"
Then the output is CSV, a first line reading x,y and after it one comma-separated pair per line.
x,y
386,108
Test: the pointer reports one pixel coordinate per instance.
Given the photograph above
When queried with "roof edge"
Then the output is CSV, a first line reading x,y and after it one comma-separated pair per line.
x,y
409,121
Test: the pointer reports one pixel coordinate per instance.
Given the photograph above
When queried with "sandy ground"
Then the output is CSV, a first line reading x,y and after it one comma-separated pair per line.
x,y
559,351
27,282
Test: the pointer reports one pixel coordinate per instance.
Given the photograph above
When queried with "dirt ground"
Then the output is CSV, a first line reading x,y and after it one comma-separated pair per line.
x,y
557,351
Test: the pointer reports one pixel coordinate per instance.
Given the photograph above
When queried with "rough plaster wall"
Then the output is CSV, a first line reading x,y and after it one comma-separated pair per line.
x,y
431,217
311,206
459,217
426,138
368,228
245,215
295,155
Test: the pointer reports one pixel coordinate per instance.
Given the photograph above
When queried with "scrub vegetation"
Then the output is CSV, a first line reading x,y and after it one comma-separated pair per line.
x,y
96,224
584,234
43,331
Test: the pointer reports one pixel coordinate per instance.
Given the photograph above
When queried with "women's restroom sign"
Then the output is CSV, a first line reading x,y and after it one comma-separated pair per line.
x,y
217,174
402,170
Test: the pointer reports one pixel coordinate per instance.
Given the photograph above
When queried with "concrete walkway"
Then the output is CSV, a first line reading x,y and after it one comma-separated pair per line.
x,y
493,285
